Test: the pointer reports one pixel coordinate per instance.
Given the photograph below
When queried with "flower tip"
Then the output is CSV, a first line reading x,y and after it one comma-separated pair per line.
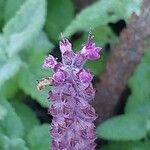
x,y
90,50
65,45
90,37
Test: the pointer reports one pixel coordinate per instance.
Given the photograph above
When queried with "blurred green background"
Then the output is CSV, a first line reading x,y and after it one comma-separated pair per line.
x,y
29,31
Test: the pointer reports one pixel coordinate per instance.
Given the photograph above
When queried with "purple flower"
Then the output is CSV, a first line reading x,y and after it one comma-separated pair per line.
x,y
65,45
85,76
50,62
59,77
90,50
72,125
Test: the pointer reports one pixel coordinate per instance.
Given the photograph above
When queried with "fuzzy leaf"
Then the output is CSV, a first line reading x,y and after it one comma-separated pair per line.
x,y
3,112
9,68
26,115
41,44
56,23
7,143
22,28
2,47
11,125
101,13
127,146
141,109
39,138
124,127
140,85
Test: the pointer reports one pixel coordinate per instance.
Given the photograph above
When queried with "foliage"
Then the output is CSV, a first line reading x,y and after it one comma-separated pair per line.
x,y
56,23
127,146
37,140
27,30
125,127
101,13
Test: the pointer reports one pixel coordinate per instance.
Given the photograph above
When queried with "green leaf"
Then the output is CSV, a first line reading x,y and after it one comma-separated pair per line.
x,y
101,13
9,68
39,138
10,88
41,44
7,143
141,109
11,129
140,85
26,115
124,127
2,47
59,15
3,112
22,28
127,146
11,125
29,75
11,7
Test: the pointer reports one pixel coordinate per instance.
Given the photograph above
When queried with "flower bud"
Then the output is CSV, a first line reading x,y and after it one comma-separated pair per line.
x,y
65,45
85,77
59,77
90,50
50,62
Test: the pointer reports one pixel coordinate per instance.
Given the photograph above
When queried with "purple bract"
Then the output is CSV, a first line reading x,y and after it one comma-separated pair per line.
x,y
72,127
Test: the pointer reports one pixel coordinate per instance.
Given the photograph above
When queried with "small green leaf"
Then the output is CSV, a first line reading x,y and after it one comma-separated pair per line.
x,y
39,138
127,146
3,112
26,115
101,13
22,28
11,125
17,144
7,143
9,68
56,23
29,76
140,84
124,127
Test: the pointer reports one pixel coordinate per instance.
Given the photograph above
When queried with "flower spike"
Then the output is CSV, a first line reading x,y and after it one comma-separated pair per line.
x,y
72,125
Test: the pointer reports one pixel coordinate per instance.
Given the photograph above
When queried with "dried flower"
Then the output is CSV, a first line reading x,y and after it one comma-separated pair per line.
x,y
72,127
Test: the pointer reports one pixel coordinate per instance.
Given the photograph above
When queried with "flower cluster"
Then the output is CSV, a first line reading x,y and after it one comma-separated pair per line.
x,y
72,127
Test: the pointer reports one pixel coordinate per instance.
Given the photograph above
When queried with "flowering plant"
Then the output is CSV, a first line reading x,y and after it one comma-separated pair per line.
x,y
72,127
